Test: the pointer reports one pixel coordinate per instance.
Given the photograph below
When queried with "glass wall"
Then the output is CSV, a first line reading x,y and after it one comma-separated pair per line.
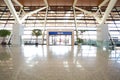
x,y
62,19
60,40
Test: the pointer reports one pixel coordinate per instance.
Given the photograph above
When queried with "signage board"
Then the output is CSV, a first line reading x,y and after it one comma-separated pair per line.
x,y
60,33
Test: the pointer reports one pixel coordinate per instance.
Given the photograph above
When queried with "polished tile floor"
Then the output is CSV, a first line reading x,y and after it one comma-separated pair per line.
x,y
59,63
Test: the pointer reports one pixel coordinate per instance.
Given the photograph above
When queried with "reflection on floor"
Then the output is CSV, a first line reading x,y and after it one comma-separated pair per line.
x,y
59,63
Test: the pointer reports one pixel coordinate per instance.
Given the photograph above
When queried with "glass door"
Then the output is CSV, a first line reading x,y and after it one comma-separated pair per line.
x,y
60,40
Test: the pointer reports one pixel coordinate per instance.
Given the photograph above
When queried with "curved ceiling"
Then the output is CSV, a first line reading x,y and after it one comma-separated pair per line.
x,y
60,2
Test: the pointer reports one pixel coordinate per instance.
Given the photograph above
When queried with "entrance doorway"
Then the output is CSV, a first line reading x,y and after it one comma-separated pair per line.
x,y
60,38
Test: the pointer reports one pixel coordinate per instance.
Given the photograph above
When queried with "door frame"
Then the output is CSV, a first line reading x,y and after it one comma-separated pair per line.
x,y
61,30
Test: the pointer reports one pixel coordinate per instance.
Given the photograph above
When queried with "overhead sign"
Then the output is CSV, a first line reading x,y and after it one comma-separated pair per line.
x,y
60,33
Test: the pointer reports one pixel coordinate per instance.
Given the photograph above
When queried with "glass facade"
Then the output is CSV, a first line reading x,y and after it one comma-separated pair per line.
x,y
62,19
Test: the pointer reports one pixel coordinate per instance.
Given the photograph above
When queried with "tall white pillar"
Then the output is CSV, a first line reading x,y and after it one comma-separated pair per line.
x,y
102,35
17,32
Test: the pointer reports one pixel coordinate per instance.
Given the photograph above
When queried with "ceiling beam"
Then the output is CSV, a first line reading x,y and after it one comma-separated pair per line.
x,y
83,10
14,13
21,6
108,10
103,3
35,11
18,3
100,20
74,3
46,3
89,13
32,12
12,10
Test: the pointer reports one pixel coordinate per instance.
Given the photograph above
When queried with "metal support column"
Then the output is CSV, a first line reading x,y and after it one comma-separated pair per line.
x,y
108,10
12,10
44,25
18,3
75,22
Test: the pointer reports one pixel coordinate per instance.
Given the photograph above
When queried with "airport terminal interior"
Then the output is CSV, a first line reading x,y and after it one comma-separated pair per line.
x,y
60,40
